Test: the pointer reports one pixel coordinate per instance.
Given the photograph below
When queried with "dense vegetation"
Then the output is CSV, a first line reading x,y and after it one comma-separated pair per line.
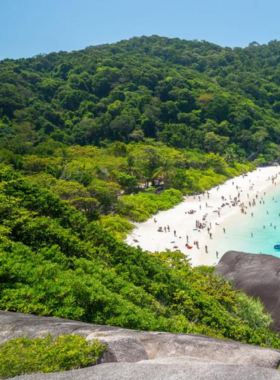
x,y
54,262
123,183
185,93
91,141
22,356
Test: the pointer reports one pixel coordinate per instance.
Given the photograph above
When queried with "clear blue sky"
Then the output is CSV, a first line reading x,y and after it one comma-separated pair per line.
x,y
30,27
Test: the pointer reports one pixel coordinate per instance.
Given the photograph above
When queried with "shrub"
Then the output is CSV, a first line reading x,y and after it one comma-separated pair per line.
x,y
143,205
117,225
21,356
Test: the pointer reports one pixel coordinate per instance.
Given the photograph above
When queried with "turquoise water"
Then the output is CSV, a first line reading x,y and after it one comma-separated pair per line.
x,y
239,228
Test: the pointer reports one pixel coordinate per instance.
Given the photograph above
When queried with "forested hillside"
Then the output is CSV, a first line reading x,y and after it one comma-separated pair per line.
x,y
187,94
91,141
54,262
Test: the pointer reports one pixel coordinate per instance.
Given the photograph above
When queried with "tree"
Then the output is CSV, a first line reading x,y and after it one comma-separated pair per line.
x,y
122,126
128,182
87,205
215,143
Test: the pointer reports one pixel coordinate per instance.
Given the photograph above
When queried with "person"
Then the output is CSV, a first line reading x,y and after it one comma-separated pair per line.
x,y
217,254
224,230
155,220
251,234
168,228
210,235
206,249
175,233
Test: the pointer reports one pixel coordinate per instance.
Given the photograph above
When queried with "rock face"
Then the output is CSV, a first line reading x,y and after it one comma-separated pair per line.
x,y
180,368
256,275
124,349
140,355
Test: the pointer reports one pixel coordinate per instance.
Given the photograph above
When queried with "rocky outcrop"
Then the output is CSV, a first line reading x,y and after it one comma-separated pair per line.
x,y
146,355
179,368
257,275
122,349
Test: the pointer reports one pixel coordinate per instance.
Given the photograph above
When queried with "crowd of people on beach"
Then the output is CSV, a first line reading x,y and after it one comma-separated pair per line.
x,y
234,199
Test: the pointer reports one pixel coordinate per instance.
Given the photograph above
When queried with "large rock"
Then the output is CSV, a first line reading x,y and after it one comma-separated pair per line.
x,y
142,355
157,345
125,349
180,368
257,275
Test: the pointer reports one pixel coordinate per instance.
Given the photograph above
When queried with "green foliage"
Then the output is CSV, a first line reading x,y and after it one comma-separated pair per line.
x,y
93,139
21,356
187,94
253,311
116,225
128,182
55,263
142,205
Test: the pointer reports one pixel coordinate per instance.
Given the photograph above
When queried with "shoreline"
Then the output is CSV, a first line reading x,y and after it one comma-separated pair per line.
x,y
207,206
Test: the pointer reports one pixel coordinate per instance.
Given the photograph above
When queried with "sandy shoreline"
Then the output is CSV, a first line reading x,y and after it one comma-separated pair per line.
x,y
146,234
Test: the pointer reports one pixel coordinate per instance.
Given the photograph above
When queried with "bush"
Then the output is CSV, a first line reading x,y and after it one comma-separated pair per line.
x,y
142,206
252,310
21,356
117,225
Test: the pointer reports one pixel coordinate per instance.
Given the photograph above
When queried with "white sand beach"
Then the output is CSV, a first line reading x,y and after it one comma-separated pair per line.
x,y
211,210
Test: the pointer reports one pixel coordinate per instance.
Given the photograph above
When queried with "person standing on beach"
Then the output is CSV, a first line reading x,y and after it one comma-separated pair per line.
x,y
224,230
217,254
175,233
206,249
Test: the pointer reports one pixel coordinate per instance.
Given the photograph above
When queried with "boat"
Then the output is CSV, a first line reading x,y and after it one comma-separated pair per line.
x,y
277,246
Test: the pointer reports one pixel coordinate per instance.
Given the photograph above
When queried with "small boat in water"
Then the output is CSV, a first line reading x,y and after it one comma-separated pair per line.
x,y
277,246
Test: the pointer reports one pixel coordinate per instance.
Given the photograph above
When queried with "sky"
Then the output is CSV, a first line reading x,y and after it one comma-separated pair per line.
x,y
31,27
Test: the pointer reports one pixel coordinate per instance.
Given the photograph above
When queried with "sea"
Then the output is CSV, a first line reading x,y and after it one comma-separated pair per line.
x,y
252,234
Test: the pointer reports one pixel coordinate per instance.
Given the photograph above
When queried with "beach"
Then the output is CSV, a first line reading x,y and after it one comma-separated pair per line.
x,y
204,218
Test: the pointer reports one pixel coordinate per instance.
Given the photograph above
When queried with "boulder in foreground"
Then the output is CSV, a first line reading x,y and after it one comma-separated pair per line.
x,y
257,275
142,355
